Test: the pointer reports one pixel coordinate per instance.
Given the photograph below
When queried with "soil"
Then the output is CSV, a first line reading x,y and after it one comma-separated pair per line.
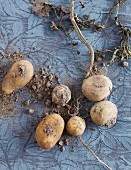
x,y
22,70
42,84
12,57
7,104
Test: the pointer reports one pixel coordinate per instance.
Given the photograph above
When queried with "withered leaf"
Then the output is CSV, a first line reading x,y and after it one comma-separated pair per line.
x,y
42,8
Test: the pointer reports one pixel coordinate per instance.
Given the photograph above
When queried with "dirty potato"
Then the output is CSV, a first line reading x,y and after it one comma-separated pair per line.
x,y
76,126
18,76
49,131
104,113
61,95
97,87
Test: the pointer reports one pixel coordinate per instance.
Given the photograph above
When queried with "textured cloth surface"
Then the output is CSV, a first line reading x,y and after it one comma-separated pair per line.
x,y
21,30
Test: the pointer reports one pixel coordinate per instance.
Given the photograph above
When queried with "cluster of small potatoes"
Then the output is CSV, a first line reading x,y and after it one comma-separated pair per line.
x,y
48,132
103,113
50,129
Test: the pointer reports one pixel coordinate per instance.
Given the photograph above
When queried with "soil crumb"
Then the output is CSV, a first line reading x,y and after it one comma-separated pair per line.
x,y
12,57
7,103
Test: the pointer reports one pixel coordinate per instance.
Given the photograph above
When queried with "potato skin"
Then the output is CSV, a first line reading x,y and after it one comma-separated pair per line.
x,y
76,126
97,87
104,113
49,131
18,76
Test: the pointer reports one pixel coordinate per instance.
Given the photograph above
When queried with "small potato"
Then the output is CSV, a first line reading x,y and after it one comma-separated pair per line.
x,y
97,87
49,131
76,126
61,95
104,113
18,76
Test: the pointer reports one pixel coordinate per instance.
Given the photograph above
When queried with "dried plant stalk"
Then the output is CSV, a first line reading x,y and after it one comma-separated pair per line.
x,y
82,38
94,154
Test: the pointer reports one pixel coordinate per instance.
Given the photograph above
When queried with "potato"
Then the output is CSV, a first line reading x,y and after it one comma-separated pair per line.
x,y
97,87
104,113
76,126
61,95
18,76
49,131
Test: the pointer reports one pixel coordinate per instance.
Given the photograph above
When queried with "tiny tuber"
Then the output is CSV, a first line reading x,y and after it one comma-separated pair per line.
x,y
49,131
61,95
76,126
97,87
104,113
18,76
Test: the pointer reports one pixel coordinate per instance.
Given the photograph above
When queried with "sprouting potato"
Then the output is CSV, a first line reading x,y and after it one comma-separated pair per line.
x,y
49,131
18,76
76,126
104,113
97,87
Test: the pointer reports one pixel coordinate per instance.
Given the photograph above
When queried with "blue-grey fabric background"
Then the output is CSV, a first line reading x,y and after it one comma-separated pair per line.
x,y
21,30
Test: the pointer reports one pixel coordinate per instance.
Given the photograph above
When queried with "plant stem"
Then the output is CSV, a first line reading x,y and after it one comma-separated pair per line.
x,y
112,9
82,38
94,154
